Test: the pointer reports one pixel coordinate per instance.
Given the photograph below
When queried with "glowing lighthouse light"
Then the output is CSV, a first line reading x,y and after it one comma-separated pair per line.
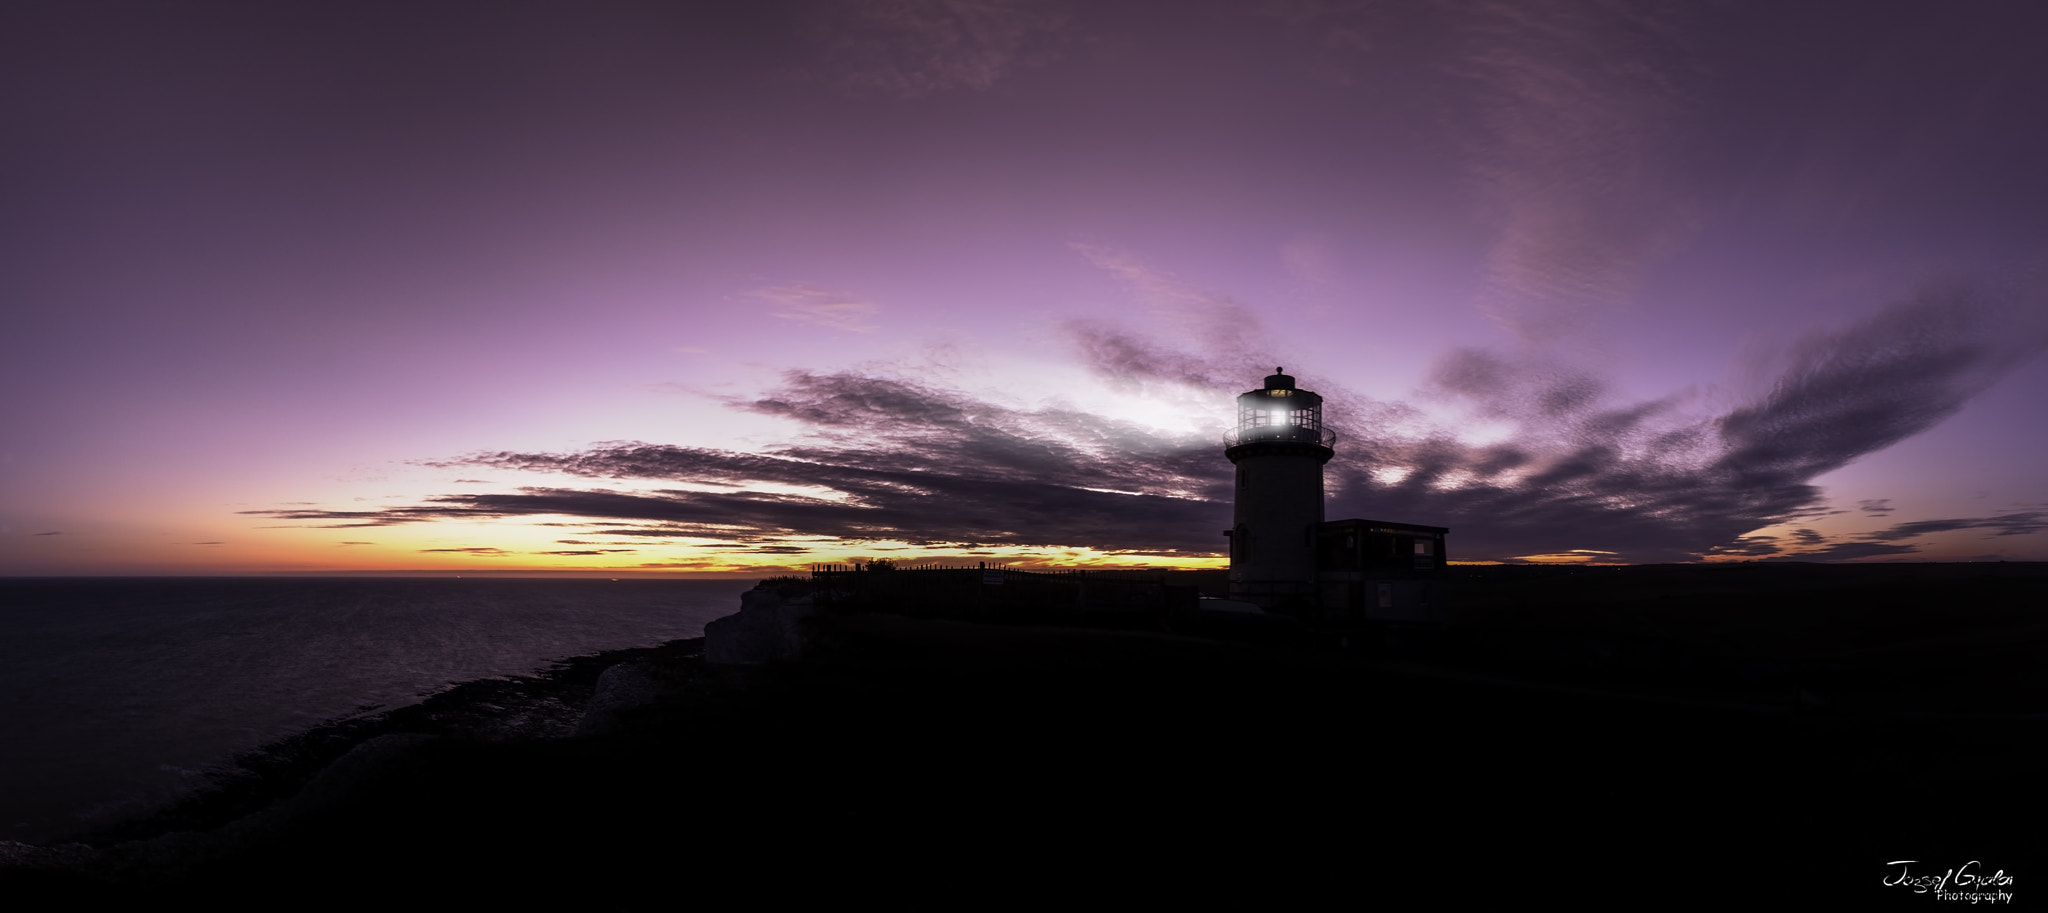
x,y
1279,412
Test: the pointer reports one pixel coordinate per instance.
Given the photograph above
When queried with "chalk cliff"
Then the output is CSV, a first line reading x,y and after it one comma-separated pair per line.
x,y
771,625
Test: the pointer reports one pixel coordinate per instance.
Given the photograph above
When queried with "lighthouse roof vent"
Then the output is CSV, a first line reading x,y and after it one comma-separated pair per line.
x,y
1279,380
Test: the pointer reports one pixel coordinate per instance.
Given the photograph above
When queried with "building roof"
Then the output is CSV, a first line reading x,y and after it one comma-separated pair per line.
x,y
1383,526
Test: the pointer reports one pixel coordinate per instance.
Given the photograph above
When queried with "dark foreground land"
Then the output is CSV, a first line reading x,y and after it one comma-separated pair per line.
x,y
1648,739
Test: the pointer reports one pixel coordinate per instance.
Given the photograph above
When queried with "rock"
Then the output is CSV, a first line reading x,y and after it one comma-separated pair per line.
x,y
17,857
621,687
769,627
364,766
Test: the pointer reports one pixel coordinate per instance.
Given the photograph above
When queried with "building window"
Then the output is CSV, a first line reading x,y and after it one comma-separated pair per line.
x,y
1425,548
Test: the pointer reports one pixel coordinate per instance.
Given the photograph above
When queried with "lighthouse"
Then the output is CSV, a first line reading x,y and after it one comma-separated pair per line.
x,y
1279,447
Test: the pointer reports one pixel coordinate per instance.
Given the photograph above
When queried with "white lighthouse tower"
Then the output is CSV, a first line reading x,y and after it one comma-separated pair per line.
x,y
1279,447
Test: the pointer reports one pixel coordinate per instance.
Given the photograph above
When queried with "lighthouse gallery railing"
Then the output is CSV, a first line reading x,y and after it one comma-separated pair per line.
x,y
1254,434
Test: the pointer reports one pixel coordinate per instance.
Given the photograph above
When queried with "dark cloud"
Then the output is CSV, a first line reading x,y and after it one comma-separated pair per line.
x,y
1876,506
1862,390
209,543
1845,551
358,543
2017,523
353,519
1125,356
889,458
718,566
1746,547
1654,484
1891,541
471,551
50,533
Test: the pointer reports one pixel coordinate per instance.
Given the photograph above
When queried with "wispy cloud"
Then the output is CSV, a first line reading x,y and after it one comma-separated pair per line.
x,y
1576,114
1337,25
1195,337
912,48
805,304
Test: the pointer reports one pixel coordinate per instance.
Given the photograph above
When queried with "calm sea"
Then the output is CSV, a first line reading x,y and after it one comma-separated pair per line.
x,y
118,693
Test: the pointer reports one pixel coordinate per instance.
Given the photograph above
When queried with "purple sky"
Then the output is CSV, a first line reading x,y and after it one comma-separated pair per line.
x,y
645,285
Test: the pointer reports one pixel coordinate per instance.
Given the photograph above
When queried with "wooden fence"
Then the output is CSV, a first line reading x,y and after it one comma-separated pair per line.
x,y
1000,593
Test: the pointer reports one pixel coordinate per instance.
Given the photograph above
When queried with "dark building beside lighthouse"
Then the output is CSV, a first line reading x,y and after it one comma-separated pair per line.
x,y
1285,557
